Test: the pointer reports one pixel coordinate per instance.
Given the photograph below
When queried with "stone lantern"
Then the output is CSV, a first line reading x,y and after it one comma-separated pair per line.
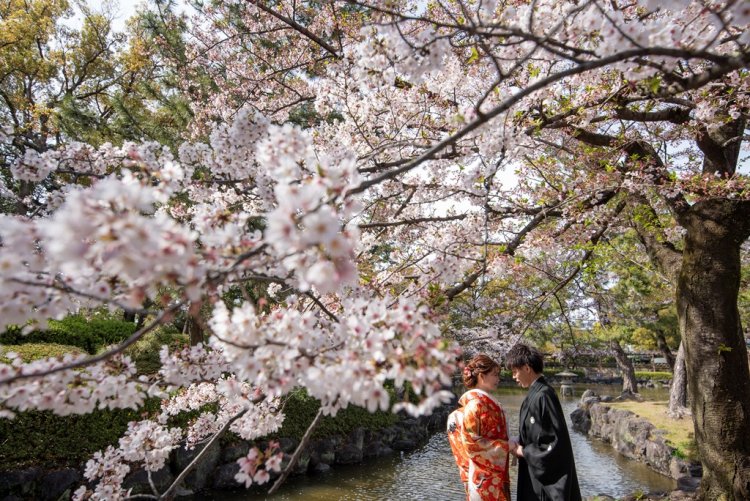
x,y
566,387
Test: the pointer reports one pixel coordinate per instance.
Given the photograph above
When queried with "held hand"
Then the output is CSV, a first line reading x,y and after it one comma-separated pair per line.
x,y
512,446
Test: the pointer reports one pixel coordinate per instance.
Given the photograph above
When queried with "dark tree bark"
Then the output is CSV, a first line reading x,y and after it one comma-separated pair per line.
x,y
629,383
661,342
678,391
715,351
195,331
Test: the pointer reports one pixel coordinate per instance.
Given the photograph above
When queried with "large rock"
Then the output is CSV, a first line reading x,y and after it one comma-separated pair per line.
x,y
351,450
20,482
223,477
581,421
235,450
638,439
54,484
589,398
302,464
323,451
374,444
138,481
199,477
659,455
688,484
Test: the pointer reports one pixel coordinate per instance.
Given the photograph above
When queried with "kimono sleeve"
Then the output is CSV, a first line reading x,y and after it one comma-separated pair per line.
x,y
455,432
478,423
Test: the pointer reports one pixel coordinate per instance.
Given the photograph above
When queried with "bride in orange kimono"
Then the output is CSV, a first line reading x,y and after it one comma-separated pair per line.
x,y
478,434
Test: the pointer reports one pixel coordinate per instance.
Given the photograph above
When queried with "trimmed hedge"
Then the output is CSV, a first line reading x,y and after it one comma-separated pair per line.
x,y
44,439
145,351
300,410
75,330
32,351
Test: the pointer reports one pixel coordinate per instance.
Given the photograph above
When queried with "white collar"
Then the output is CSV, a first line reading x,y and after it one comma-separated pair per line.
x,y
491,397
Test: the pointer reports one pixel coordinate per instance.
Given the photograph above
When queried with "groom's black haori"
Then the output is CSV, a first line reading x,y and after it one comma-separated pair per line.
x,y
547,469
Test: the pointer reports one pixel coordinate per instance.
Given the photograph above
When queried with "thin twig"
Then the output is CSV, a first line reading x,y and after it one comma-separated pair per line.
x,y
297,452
184,473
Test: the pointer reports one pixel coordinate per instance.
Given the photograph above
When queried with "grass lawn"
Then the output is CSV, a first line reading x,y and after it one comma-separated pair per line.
x,y
679,433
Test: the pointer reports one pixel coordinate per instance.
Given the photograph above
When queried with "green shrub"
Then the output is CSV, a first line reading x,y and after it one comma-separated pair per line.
x,y
75,330
300,410
45,439
33,351
653,375
145,351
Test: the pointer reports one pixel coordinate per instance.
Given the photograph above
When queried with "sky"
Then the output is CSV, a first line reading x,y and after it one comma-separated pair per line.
x,y
123,10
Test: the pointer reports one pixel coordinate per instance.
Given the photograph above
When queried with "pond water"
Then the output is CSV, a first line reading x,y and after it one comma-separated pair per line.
x,y
430,472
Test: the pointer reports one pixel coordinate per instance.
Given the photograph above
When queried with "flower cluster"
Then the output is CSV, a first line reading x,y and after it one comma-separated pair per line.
x,y
250,465
107,385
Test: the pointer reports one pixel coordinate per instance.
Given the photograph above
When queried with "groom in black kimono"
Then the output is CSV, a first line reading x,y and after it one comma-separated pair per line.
x,y
546,468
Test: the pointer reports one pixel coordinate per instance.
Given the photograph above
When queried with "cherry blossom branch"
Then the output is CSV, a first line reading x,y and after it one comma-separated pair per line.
x,y
297,452
510,249
297,27
321,306
727,65
411,221
673,115
61,286
168,494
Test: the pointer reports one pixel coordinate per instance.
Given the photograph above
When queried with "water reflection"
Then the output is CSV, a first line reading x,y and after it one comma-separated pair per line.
x,y
431,474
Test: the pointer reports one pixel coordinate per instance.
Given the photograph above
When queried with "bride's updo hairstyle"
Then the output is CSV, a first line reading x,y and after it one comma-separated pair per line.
x,y
481,364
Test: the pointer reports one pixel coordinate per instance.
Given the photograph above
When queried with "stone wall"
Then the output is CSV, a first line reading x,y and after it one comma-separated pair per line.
x,y
633,437
219,466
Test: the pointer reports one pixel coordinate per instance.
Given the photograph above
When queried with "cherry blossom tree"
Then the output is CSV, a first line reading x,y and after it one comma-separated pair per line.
x,y
446,148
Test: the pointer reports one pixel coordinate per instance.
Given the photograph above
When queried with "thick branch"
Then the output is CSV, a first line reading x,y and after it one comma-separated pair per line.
x,y
411,221
297,27
593,138
674,115
720,148
662,253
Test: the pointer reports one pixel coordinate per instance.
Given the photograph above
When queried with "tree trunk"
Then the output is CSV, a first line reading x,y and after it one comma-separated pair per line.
x,y
678,391
629,383
715,351
661,341
195,331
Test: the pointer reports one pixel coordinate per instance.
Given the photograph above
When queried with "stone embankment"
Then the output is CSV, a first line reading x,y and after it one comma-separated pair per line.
x,y
219,466
634,437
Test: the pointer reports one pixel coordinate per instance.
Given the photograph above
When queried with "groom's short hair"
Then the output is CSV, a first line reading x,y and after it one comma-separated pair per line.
x,y
521,355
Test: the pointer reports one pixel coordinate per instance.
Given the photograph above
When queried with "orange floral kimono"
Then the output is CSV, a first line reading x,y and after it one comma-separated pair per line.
x,y
478,437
